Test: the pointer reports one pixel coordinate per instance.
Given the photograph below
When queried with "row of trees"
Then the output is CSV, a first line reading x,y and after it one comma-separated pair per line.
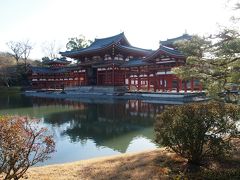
x,y
22,49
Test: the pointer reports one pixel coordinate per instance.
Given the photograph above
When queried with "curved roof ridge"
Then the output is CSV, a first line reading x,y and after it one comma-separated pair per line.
x,y
185,36
108,40
117,35
138,48
165,49
144,52
99,44
57,60
170,50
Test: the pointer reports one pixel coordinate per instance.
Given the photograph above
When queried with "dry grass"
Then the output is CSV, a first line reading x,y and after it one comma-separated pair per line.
x,y
146,165
157,164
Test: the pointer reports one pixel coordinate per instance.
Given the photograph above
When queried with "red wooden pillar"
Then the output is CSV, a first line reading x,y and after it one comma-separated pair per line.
x,y
54,81
97,76
129,79
180,84
170,82
85,77
154,80
139,80
167,85
129,82
125,76
192,85
157,83
177,85
185,86
148,81
113,76
116,77
69,82
106,77
66,81
163,84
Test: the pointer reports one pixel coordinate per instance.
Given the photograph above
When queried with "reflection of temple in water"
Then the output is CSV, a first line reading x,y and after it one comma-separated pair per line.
x,y
128,107
110,125
55,102
143,109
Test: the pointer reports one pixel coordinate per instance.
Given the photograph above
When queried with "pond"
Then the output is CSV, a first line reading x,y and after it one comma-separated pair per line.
x,y
86,129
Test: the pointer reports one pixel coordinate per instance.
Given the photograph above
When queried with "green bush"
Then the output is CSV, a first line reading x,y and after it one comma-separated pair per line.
x,y
198,130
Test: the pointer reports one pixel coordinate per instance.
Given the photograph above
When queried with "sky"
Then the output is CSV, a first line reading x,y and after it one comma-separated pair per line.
x,y
144,22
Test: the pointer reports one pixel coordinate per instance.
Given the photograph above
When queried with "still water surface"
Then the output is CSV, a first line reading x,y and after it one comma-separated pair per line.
x,y
86,129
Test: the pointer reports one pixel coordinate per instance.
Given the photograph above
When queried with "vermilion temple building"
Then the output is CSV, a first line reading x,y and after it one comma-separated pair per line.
x,y
113,61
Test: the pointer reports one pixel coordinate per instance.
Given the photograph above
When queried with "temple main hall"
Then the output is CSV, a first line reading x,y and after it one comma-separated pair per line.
x,y
113,61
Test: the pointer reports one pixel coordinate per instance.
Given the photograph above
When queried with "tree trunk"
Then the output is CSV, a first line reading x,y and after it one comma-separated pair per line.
x,y
25,65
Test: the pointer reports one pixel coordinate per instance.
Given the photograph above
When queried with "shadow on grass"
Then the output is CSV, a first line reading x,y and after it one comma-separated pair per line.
x,y
159,165
152,165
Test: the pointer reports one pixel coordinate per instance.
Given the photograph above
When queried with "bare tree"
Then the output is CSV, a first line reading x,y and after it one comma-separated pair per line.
x,y
51,49
16,48
27,47
20,49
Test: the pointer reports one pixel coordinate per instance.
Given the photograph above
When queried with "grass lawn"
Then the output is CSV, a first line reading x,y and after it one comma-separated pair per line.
x,y
157,164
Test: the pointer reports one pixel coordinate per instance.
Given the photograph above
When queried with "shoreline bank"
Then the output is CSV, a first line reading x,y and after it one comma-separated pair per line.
x,y
148,164
109,167
163,97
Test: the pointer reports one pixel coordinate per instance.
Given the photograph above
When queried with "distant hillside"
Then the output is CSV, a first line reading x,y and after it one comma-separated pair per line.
x,y
6,59
13,73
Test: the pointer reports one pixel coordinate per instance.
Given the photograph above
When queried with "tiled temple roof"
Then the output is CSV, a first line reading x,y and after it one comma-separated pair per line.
x,y
57,61
145,52
170,42
119,41
48,70
167,51
109,40
97,45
